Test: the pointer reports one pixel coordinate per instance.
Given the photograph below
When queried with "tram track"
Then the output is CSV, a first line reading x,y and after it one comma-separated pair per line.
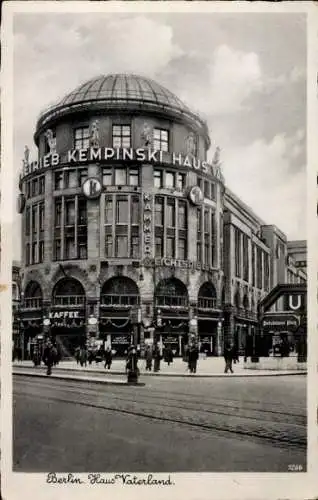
x,y
250,423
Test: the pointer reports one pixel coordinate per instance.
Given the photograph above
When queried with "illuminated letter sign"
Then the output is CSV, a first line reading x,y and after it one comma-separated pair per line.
x,y
92,188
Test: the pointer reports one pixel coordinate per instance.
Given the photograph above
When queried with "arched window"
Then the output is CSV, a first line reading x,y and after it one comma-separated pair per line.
x,y
33,295
207,296
171,292
68,292
120,292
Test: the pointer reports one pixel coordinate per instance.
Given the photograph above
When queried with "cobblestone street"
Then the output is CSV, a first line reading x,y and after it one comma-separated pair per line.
x,y
181,424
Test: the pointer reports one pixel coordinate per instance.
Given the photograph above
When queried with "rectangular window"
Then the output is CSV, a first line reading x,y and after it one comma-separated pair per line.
x,y
70,248
135,215
157,178
58,213
159,211
41,216
199,256
266,272
108,211
170,180
200,182
107,176
245,257
27,254
171,215
82,247
28,189
206,189
121,246
161,139
135,247
182,249
27,221
120,177
42,184
58,181
206,221
34,187
253,266
182,215
122,211
109,245
41,251
133,177
237,239
170,248
34,219
181,181
34,252
57,250
199,220
82,213
214,239
159,247
81,176
259,269
206,253
69,212
81,138
121,136
213,193
70,179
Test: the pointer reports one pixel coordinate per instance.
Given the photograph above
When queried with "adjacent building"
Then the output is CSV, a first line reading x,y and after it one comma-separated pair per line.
x,y
127,229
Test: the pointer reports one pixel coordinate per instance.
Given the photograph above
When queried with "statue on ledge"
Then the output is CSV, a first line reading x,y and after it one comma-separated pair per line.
x,y
146,135
51,141
94,139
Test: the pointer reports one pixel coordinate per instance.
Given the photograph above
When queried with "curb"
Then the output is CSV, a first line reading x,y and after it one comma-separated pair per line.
x,y
161,374
75,378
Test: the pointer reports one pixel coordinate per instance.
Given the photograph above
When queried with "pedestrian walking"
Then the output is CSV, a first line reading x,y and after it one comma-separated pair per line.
x,y
49,357
77,354
148,357
235,352
193,356
157,358
83,356
108,358
228,357
168,355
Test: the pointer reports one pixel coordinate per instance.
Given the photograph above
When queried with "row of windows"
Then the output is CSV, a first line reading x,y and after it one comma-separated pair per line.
x,y
207,188
35,187
34,252
206,237
259,261
170,180
34,219
121,138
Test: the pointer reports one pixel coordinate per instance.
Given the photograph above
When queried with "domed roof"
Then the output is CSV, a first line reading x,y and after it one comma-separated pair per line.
x,y
121,92
123,87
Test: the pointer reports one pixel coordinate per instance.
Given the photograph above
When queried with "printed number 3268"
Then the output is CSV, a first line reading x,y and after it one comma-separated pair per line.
x,y
295,467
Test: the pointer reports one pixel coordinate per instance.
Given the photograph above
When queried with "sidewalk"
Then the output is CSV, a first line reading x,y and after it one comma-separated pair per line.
x,y
209,367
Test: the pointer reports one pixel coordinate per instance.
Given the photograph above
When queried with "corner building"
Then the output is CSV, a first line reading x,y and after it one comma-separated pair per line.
x,y
122,220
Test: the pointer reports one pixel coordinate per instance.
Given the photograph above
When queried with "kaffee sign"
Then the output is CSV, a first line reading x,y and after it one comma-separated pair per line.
x,y
82,156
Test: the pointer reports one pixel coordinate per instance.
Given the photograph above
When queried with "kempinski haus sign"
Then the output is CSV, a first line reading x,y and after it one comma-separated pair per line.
x,y
78,156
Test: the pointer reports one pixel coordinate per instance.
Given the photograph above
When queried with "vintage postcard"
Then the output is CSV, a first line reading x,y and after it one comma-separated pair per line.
x,y
159,250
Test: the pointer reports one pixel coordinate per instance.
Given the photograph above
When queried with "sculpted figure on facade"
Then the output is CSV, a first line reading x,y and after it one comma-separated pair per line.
x,y
146,135
26,157
190,144
51,141
94,138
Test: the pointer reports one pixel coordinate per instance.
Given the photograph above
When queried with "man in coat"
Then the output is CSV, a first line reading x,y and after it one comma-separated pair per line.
x,y
193,357
49,356
228,357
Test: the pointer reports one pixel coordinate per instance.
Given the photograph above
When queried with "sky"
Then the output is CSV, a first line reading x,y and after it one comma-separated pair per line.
x,y
245,73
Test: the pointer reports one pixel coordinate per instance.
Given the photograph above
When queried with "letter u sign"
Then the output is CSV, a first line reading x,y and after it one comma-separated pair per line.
x,y
294,302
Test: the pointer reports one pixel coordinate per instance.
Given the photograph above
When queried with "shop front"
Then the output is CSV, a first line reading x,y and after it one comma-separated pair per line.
x,y
67,316
207,336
